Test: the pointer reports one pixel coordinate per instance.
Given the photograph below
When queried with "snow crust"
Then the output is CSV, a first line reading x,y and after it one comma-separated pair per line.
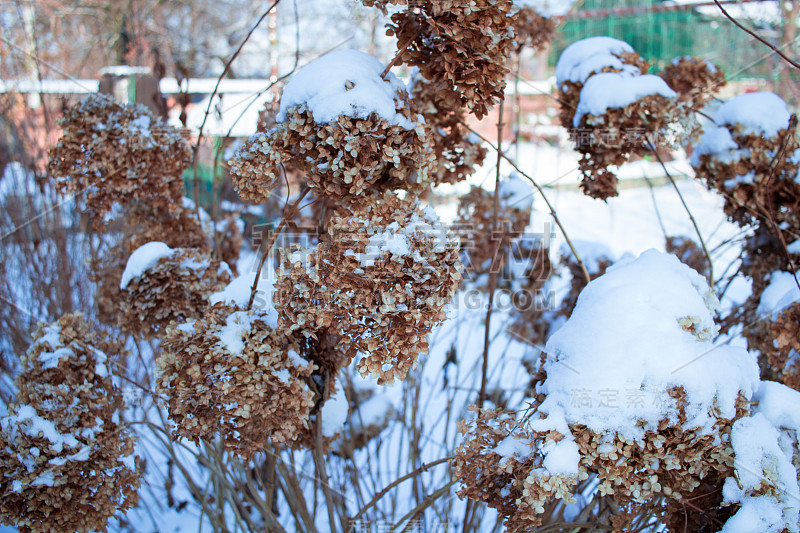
x,y
642,328
614,90
580,59
348,83
237,325
761,113
143,259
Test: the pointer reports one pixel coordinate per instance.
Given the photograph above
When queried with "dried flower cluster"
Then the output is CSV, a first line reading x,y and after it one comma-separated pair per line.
x,y
380,279
175,289
497,465
611,107
782,352
345,158
481,237
457,151
694,79
462,47
229,240
119,154
534,31
755,172
751,156
621,58
67,461
503,462
232,373
141,224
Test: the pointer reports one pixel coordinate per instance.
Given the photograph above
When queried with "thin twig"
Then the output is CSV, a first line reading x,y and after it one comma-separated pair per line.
x,y
652,148
424,468
398,55
756,36
495,255
424,504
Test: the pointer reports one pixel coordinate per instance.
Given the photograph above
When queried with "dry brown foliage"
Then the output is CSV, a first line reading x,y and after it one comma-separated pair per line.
x,y
481,236
380,279
120,154
457,151
569,93
139,225
348,158
463,47
518,488
67,461
229,236
231,373
534,31
694,79
176,289
759,187
784,347
671,464
611,139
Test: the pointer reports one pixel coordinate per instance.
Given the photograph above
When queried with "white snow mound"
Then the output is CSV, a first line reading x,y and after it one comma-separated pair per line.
x,y
644,327
345,82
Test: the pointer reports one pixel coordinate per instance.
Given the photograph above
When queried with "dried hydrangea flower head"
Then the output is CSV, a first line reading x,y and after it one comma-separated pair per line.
x,y
587,57
462,46
140,224
380,279
161,285
481,234
611,107
120,153
636,390
533,30
783,359
500,463
694,79
772,321
751,156
229,240
458,152
234,373
67,461
350,131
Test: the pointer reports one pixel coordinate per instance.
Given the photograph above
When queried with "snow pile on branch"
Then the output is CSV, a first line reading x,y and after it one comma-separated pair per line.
x,y
603,346
350,132
609,90
589,56
761,113
345,83
143,259
611,106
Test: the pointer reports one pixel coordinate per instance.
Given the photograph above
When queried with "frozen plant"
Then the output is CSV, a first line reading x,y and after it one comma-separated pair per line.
x,y
66,458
